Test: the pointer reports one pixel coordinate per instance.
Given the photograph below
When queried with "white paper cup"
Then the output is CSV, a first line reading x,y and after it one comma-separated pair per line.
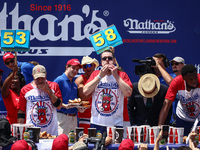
x,y
153,134
138,134
171,135
119,135
145,133
111,133
128,131
18,129
179,132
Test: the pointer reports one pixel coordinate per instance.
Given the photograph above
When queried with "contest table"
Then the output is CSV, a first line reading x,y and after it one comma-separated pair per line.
x,y
46,144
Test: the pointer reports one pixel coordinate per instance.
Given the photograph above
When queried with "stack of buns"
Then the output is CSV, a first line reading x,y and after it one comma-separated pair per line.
x,y
44,135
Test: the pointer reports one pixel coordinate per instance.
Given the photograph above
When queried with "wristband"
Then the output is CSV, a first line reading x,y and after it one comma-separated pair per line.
x,y
99,77
21,115
57,103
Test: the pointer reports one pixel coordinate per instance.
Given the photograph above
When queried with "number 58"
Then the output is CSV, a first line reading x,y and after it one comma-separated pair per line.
x,y
109,35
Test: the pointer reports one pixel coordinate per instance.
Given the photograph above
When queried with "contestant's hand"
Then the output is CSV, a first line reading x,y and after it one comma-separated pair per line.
x,y
142,147
114,70
104,71
45,87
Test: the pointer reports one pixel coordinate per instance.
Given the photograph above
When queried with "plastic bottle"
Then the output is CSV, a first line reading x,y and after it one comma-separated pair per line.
x,y
72,137
26,135
99,135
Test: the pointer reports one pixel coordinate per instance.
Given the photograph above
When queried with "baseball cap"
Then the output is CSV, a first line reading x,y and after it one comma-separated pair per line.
x,y
60,143
39,71
22,145
178,59
8,55
74,62
126,144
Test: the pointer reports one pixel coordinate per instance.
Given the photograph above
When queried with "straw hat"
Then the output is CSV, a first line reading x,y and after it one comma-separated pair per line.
x,y
89,60
149,85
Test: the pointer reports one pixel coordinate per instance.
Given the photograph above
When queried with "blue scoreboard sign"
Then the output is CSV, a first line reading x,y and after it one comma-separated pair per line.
x,y
102,40
15,40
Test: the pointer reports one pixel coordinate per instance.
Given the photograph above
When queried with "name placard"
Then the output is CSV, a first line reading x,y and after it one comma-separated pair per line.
x,y
15,40
105,38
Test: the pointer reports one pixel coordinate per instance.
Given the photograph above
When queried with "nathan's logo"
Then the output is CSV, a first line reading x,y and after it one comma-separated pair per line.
x,y
149,27
54,25
59,29
107,102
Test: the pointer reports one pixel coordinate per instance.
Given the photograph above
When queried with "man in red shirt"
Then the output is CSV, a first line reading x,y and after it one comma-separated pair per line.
x,y
188,88
89,66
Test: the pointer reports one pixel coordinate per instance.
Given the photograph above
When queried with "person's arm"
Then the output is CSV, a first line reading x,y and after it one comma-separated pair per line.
x,y
80,84
156,147
142,146
166,76
192,145
57,102
8,81
21,116
90,86
164,111
124,87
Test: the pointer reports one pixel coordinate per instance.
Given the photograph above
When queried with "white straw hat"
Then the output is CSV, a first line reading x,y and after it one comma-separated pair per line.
x,y
89,60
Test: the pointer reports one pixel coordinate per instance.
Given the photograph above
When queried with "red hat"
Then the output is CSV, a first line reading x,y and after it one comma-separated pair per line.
x,y
21,145
126,144
74,62
60,143
7,55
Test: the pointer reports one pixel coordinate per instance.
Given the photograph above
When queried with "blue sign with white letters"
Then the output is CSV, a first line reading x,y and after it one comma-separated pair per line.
x,y
60,30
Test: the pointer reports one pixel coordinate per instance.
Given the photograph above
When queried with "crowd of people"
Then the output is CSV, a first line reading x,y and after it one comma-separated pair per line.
x,y
158,97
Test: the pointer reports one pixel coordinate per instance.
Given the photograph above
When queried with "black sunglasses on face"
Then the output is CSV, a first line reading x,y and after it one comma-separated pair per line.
x,y
175,63
11,61
87,66
1,73
105,58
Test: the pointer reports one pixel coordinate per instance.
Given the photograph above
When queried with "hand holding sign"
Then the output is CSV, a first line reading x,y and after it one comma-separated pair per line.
x,y
102,40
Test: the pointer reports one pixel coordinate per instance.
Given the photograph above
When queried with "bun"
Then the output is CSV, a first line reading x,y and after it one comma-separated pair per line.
x,y
84,103
75,100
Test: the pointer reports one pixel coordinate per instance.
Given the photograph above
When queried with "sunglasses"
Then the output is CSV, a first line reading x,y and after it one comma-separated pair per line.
x,y
1,73
105,58
87,66
175,63
11,61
